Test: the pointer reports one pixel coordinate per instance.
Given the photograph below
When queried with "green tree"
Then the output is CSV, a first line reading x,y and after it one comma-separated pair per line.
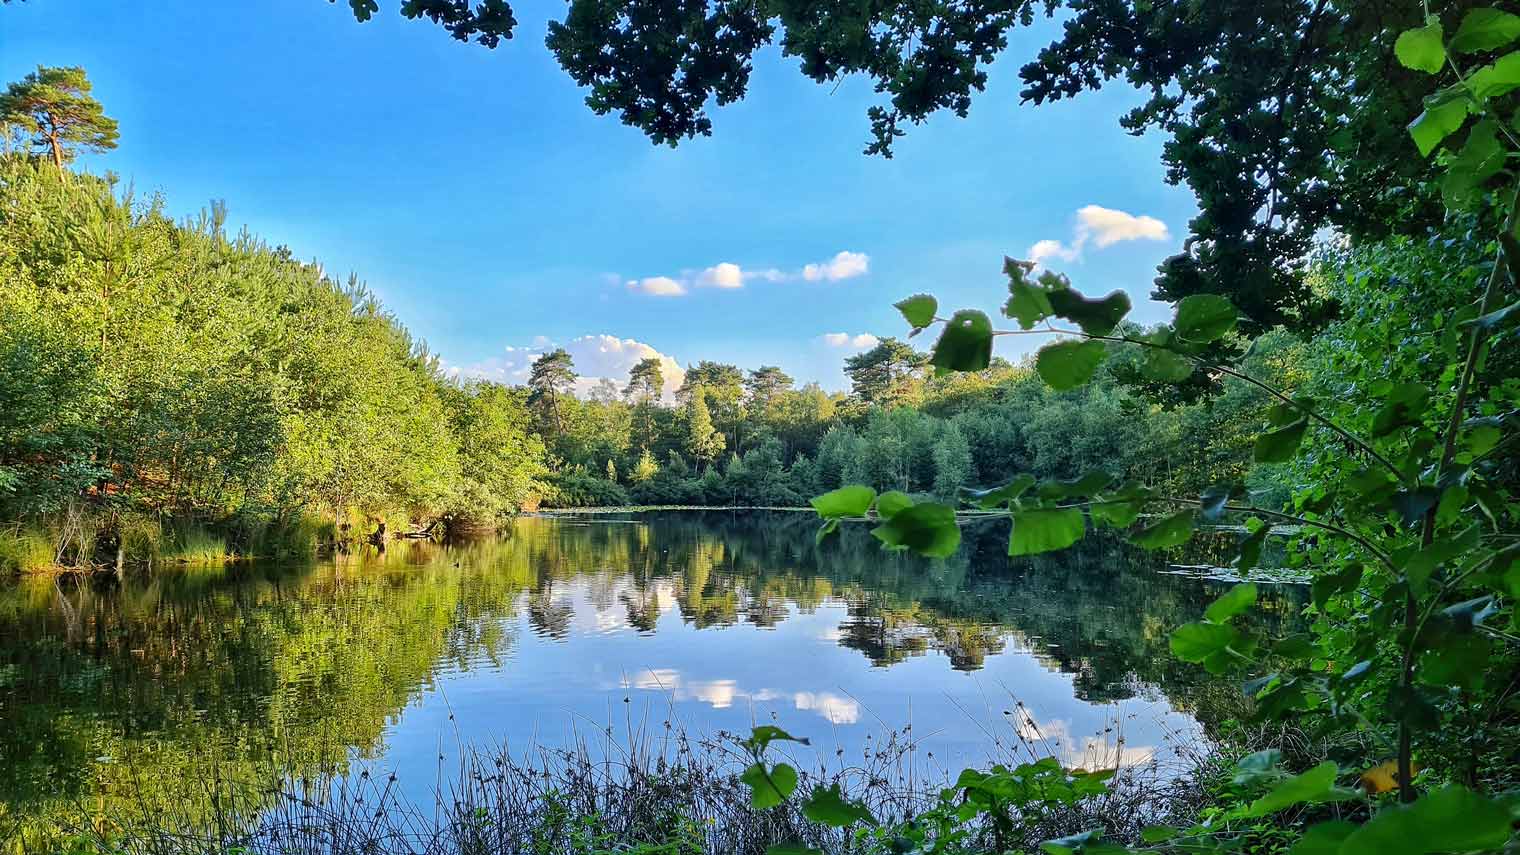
x,y
551,378
646,382
952,462
886,375
54,106
703,442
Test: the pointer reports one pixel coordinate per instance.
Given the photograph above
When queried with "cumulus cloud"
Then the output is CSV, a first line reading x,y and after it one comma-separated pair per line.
x,y
723,275
845,265
596,357
1102,227
728,275
657,286
841,339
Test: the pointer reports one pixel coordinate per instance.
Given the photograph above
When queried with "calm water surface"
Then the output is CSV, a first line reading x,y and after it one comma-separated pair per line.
x,y
565,626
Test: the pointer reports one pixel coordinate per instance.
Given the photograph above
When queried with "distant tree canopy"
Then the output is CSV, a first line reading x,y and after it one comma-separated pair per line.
x,y
54,109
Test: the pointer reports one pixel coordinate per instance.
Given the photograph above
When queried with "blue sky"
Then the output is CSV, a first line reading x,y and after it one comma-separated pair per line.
x,y
495,213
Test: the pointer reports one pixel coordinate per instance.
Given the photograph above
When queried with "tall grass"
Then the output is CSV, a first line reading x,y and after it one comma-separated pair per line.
x,y
650,790
25,550
193,544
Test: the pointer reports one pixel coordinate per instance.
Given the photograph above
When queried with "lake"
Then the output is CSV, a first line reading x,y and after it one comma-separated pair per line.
x,y
564,627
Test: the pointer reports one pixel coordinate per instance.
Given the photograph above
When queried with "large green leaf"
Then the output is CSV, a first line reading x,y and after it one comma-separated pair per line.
x,y
1278,446
928,529
1234,601
1028,303
1205,317
1089,484
1402,406
965,344
1163,364
1480,159
1499,78
1438,121
829,806
918,310
1312,787
1068,364
1094,316
1485,29
1166,533
768,790
888,504
1421,48
1195,642
851,501
1451,819
1045,530
999,496
1323,838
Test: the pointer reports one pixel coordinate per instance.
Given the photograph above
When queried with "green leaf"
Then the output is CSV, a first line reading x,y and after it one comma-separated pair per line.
x,y
1342,581
1451,819
1498,78
791,849
1496,318
1027,303
1278,446
1170,531
1235,601
1088,485
1421,48
763,735
767,791
1085,843
1204,318
1195,642
1436,123
1165,365
1158,833
918,310
1116,511
1045,530
828,806
927,529
851,501
1485,29
1323,838
1068,364
1402,406
1250,548
828,528
888,504
1312,787
1480,159
999,496
1094,316
966,343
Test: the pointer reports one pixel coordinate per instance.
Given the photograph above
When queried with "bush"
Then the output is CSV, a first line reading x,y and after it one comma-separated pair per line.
x,y
577,488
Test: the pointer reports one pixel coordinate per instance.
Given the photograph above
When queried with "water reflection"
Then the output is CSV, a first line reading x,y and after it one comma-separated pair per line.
x,y
708,621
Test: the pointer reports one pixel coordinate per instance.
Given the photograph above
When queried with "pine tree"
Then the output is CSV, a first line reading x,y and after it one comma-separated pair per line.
x,y
55,107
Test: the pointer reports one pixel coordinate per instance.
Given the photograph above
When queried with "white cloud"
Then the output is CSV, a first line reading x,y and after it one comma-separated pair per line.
x,y
1047,249
840,339
1107,226
657,286
1102,227
728,275
845,265
829,705
596,357
723,275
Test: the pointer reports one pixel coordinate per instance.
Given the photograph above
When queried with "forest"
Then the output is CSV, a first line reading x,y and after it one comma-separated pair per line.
x,y
175,392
